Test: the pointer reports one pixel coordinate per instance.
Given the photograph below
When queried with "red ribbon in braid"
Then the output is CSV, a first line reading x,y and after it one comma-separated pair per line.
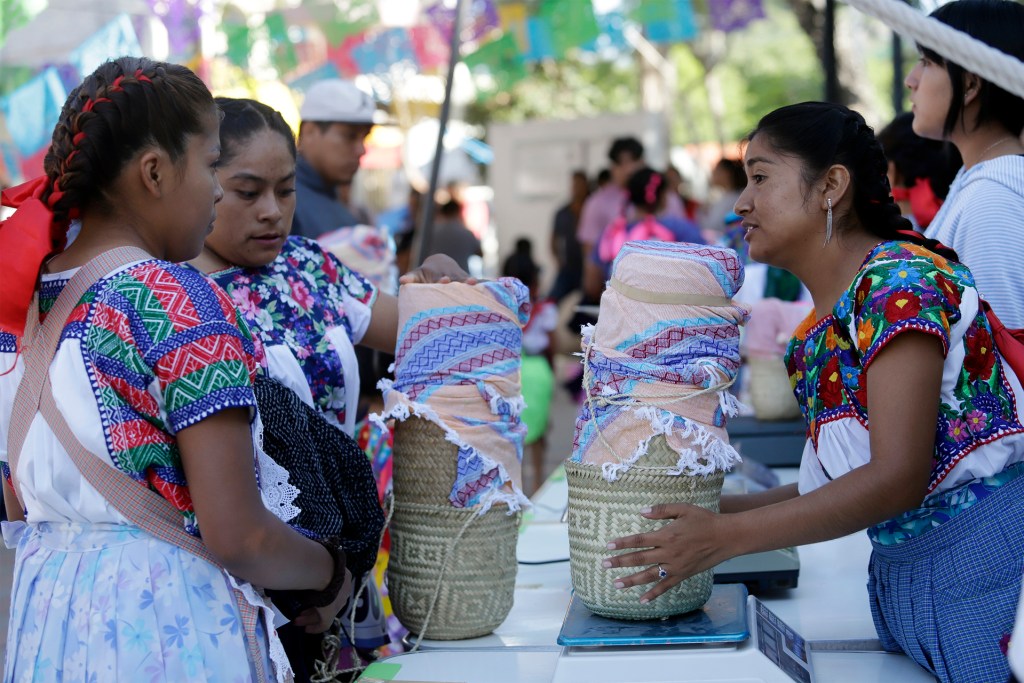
x,y
26,239
32,234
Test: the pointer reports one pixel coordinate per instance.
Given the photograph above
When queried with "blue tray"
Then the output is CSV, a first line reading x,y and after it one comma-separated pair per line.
x,y
722,620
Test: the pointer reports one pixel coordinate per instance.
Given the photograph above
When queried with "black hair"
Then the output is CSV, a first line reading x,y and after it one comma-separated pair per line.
x,y
520,264
242,119
734,169
917,157
821,134
604,176
999,24
124,106
628,145
646,189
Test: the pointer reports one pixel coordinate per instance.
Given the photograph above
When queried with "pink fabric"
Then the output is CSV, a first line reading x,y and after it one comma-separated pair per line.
x,y
772,322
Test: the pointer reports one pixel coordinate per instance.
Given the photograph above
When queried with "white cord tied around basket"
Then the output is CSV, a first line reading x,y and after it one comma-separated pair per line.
x,y
716,454
956,46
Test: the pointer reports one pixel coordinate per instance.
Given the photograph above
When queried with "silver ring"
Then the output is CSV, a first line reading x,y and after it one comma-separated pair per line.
x,y
661,572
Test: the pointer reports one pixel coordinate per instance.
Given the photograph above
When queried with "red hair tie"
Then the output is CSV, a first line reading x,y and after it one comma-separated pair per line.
x,y
77,140
92,103
142,77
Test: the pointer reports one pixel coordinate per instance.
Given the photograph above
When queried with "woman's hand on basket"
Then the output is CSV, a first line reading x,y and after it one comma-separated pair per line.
x,y
437,269
319,619
694,540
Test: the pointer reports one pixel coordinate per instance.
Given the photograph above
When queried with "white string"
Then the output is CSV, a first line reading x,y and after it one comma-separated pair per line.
x,y
655,400
959,48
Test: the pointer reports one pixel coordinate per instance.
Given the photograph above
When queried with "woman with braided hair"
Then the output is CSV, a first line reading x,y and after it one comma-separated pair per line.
x,y
152,413
983,215
913,423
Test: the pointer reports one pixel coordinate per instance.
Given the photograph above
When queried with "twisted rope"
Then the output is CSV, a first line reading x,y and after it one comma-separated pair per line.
x,y
960,48
654,400
326,670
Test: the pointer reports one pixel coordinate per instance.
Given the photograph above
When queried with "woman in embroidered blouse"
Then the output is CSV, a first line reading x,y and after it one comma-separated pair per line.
x,y
913,423
306,306
153,374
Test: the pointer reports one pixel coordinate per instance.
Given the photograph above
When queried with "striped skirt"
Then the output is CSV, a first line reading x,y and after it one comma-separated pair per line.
x,y
948,598
108,602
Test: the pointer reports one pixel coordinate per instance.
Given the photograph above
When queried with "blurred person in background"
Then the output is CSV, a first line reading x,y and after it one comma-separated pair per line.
x,y
727,182
564,244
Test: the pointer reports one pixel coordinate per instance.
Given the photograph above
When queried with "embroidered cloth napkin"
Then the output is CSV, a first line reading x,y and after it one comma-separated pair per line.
x,y
661,358
457,364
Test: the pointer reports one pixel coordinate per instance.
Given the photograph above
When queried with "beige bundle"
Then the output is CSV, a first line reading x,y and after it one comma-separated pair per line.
x,y
657,368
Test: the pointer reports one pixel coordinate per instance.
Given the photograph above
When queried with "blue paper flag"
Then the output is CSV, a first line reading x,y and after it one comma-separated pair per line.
x,y
116,39
541,42
379,52
33,110
682,26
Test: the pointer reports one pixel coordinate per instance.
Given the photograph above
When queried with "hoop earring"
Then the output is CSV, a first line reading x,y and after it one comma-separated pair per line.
x,y
828,223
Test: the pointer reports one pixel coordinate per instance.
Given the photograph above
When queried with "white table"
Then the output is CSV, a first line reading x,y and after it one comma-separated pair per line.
x,y
830,603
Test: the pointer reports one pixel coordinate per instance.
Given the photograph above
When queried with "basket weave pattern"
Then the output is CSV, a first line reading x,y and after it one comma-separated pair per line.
x,y
473,574
600,510
770,391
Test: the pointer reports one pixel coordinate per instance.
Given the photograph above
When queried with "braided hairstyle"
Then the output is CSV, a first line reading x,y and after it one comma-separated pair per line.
x,y
123,107
821,134
245,118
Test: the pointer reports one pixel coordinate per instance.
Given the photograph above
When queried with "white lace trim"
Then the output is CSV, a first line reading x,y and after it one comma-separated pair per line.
x,y
277,492
282,672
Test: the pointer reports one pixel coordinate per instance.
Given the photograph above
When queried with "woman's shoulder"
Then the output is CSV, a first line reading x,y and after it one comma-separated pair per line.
x,y
173,292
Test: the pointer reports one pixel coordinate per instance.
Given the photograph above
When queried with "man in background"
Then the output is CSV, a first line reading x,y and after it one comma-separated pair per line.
x,y
336,118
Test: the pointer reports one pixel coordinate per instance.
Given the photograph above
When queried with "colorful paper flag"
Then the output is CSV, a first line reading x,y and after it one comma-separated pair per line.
x,y
116,39
282,52
339,19
679,26
33,110
341,55
239,43
572,23
481,19
502,59
432,52
540,42
379,52
181,19
732,15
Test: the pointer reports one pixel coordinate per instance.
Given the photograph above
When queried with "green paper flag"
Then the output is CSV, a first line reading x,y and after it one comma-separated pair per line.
x,y
282,52
239,44
502,59
653,11
340,19
572,24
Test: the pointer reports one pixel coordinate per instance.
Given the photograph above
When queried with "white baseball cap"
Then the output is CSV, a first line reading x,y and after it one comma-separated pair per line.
x,y
337,101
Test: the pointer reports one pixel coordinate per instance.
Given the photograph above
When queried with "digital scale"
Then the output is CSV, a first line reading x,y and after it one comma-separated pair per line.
x,y
693,646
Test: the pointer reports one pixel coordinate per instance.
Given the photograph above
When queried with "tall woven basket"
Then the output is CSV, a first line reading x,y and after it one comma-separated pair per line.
x,y
600,510
771,394
452,571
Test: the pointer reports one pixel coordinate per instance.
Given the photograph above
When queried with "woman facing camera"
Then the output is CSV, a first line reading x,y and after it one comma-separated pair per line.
x,y
983,216
306,307
913,425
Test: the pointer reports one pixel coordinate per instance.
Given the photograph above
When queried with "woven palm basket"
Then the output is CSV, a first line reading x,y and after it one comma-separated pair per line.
x,y
452,572
771,394
600,510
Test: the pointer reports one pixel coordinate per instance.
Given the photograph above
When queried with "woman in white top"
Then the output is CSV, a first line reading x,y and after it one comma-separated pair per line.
x,y
153,374
983,215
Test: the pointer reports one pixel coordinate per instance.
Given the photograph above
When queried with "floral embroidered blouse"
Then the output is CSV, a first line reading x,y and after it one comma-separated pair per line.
x,y
309,310
979,436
